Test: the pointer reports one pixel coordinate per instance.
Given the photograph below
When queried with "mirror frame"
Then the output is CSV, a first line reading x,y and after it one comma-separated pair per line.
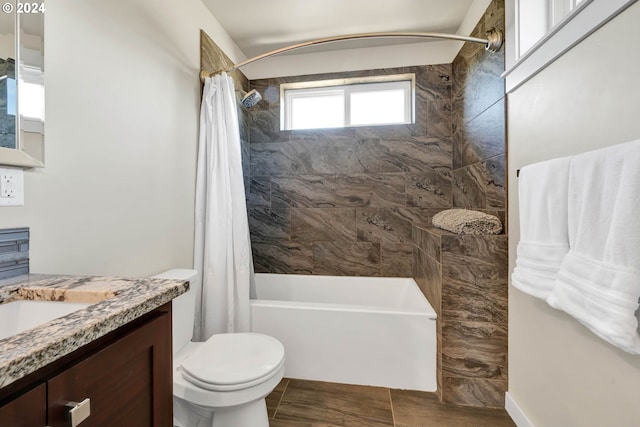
x,y
17,156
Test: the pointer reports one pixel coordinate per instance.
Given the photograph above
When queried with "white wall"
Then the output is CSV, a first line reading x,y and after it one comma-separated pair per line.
x,y
116,196
561,374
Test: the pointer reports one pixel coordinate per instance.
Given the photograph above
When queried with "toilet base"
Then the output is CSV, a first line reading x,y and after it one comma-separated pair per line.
x,y
252,414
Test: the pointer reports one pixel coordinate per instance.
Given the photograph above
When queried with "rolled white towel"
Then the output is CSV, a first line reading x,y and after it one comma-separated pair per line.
x,y
464,221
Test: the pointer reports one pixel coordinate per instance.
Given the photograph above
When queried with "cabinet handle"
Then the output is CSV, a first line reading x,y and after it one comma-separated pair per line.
x,y
78,412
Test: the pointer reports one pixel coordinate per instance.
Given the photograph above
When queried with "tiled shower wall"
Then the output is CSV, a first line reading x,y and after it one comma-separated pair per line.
x,y
479,121
343,201
465,277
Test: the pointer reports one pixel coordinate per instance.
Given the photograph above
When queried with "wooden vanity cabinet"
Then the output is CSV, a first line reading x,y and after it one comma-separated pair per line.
x,y
127,378
28,410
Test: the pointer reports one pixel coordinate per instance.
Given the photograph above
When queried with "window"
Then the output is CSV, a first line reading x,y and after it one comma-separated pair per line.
x,y
538,18
367,101
540,31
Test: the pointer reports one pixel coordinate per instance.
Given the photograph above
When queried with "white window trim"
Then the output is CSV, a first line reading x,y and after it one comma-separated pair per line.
x,y
584,20
348,86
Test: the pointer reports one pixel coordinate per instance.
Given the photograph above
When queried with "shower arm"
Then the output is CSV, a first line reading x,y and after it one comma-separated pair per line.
x,y
492,43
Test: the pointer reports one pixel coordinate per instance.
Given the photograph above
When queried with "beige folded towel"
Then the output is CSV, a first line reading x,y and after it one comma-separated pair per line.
x,y
464,221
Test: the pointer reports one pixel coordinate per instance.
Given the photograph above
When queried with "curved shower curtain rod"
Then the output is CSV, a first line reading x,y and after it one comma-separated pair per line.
x,y
492,43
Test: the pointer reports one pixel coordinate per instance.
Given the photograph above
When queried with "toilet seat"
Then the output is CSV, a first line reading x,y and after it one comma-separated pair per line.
x,y
228,362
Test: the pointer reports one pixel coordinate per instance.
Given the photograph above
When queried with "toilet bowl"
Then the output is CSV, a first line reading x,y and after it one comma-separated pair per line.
x,y
223,381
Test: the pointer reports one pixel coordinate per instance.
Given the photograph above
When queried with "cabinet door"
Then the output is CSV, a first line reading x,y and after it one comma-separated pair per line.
x,y
28,410
129,383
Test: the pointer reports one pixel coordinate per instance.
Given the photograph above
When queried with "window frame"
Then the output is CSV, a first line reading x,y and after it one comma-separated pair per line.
x,y
348,86
586,17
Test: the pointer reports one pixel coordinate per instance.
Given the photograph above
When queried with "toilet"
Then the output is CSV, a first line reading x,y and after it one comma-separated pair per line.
x,y
222,382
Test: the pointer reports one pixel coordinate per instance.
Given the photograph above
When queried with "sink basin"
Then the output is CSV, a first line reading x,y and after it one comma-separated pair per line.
x,y
18,316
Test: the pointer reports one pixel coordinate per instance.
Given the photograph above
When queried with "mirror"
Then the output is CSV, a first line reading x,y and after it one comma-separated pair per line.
x,y
22,89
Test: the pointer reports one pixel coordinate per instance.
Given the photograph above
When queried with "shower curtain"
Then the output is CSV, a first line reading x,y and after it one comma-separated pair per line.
x,y
222,253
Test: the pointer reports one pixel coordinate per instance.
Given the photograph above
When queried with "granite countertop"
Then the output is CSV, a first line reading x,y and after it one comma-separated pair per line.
x,y
115,302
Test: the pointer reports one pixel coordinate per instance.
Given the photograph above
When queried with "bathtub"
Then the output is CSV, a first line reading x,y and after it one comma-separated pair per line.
x,y
353,330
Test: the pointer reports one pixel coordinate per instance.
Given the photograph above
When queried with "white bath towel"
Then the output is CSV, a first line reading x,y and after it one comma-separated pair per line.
x,y
599,280
544,240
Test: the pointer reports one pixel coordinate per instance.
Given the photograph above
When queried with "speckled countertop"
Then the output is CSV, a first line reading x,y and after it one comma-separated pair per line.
x,y
115,302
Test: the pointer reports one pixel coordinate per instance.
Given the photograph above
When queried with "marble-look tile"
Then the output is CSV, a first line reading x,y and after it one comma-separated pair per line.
x,y
282,257
325,404
467,61
315,224
477,81
346,259
495,182
392,132
273,159
469,187
259,191
326,135
303,191
361,190
475,258
480,300
396,259
304,157
428,239
420,409
481,138
419,273
418,216
268,225
474,349
354,154
429,189
332,154
244,154
243,119
433,89
380,155
494,16
478,392
212,58
264,126
269,89
483,88
439,118
500,214
429,278
382,225
434,82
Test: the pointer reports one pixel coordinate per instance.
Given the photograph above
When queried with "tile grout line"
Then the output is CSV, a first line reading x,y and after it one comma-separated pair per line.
x,y
281,398
393,415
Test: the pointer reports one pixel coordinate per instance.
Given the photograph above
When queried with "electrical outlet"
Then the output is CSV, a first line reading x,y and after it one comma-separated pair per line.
x,y
11,187
8,184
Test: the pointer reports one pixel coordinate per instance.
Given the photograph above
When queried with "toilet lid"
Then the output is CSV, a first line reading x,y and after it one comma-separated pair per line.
x,y
232,361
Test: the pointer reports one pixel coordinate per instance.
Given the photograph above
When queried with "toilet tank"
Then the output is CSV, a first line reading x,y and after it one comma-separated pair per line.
x,y
183,308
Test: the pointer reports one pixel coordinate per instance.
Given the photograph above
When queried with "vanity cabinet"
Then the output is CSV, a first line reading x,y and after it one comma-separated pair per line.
x,y
126,377
28,410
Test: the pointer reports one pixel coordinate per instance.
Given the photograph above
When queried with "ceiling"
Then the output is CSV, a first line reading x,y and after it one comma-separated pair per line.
x,y
258,26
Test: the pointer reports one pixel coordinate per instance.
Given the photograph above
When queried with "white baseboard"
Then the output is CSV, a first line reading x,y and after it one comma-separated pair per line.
x,y
515,412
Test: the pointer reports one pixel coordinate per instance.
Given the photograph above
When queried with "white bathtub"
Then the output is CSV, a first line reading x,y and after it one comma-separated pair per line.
x,y
353,330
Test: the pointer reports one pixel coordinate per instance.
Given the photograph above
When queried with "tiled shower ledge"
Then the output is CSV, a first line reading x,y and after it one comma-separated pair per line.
x,y
115,302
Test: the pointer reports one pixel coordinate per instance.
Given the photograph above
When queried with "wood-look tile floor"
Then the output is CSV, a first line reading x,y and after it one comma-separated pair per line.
x,y
301,403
